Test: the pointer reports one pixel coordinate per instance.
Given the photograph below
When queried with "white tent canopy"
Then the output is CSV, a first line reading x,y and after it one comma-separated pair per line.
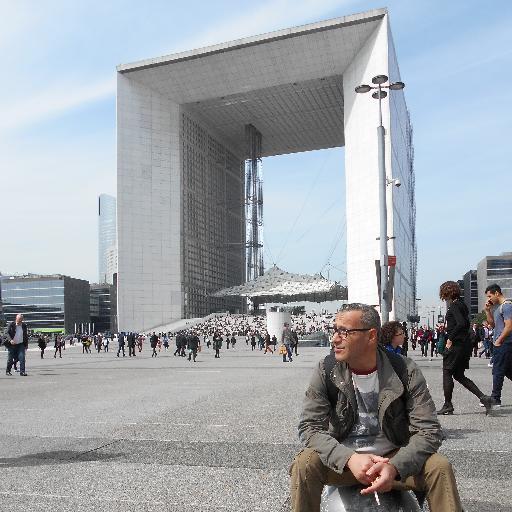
x,y
276,285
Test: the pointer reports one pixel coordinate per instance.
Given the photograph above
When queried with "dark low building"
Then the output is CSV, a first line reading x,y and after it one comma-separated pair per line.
x,y
103,303
470,291
53,303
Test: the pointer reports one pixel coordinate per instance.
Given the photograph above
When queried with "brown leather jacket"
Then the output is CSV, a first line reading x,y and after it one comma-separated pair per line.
x,y
409,422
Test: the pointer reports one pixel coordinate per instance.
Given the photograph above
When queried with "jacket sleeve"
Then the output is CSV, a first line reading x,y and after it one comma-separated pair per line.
x,y
425,428
314,424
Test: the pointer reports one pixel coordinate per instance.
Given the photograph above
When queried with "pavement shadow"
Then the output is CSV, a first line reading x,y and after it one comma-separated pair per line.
x,y
56,457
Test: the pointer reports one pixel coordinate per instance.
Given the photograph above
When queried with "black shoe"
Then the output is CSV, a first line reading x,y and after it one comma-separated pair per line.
x,y
23,374
487,402
8,373
446,409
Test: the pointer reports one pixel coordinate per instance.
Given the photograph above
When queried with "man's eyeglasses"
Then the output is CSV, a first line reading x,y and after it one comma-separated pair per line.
x,y
344,333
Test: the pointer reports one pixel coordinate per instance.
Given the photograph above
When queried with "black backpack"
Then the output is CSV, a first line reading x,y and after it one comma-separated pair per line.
x,y
397,362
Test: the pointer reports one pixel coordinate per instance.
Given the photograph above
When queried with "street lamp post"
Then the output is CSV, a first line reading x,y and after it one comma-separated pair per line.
x,y
379,94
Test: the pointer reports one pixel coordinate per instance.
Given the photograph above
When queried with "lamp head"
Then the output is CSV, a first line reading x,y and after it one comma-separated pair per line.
x,y
379,79
396,86
363,88
379,94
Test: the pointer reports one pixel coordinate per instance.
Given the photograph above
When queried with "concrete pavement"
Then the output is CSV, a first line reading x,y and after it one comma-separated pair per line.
x,y
101,433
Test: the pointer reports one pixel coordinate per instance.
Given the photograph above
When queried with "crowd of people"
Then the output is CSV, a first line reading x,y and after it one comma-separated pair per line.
x,y
396,439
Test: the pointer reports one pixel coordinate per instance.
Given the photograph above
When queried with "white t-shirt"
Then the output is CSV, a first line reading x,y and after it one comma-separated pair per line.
x,y
366,435
18,336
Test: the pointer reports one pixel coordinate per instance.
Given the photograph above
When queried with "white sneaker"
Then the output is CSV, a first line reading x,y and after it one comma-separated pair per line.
x,y
490,365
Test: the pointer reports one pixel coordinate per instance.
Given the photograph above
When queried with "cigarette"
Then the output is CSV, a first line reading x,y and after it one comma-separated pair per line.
x,y
377,498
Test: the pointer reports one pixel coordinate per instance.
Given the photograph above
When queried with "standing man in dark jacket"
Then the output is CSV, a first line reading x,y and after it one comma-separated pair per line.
x,y
17,345
192,345
120,340
153,341
374,430
131,344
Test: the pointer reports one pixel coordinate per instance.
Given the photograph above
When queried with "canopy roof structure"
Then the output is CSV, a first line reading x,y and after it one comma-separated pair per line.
x,y
276,285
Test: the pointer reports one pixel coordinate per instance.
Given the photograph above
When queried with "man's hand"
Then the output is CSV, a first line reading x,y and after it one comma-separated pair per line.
x,y
382,475
449,344
498,342
487,306
360,463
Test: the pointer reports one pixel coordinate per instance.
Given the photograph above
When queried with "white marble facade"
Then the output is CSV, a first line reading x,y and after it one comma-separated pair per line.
x,y
296,86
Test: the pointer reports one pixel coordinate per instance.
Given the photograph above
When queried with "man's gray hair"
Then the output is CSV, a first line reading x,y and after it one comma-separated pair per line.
x,y
370,318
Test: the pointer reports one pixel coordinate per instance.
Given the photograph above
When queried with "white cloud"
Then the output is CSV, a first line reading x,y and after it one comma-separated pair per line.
x,y
273,15
53,102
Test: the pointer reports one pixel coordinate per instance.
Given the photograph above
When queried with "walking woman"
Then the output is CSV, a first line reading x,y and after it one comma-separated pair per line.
x,y
458,348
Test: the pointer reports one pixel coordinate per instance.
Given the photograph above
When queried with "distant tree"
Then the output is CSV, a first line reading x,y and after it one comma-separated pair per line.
x,y
478,318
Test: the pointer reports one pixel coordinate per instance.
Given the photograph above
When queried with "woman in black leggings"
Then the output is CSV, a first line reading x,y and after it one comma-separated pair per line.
x,y
458,348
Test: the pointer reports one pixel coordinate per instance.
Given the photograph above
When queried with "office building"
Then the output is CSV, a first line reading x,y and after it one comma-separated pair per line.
x,y
494,270
193,130
107,238
53,303
103,308
470,292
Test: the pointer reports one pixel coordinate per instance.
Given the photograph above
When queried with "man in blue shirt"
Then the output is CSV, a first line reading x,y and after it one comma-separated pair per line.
x,y
499,316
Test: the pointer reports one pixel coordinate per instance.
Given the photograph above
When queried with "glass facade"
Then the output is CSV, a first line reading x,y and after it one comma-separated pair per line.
x,y
48,303
403,218
103,308
107,237
41,301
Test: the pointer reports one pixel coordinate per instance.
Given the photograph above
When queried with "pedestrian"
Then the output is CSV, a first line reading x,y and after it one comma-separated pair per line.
x,y
392,336
498,310
486,340
217,344
106,342
130,338
166,342
140,341
287,339
386,434
253,342
267,344
458,348
120,341
295,341
233,340
283,352
193,346
477,338
17,344
178,343
58,347
99,342
41,342
405,344
153,341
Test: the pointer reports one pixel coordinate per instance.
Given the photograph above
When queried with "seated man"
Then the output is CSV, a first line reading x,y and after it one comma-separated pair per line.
x,y
375,423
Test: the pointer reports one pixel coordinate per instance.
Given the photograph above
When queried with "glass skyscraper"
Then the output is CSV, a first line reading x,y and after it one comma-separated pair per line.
x,y
107,237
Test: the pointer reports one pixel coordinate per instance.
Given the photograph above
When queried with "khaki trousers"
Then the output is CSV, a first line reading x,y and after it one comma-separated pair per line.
x,y
309,475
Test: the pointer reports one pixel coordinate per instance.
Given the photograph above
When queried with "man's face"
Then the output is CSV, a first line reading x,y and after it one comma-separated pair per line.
x,y
19,319
493,297
358,345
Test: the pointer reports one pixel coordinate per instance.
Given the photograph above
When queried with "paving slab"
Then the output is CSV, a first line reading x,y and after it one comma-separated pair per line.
x,y
94,433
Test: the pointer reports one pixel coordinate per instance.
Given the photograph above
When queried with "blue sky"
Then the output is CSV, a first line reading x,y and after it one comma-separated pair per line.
x,y
57,127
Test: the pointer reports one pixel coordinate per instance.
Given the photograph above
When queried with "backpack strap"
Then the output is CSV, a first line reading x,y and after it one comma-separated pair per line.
x,y
332,390
507,301
396,360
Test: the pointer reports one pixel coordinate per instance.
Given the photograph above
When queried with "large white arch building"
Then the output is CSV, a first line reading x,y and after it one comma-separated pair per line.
x,y
181,122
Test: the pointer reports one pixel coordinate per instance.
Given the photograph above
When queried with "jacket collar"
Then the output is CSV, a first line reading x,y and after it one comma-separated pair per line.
x,y
390,385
